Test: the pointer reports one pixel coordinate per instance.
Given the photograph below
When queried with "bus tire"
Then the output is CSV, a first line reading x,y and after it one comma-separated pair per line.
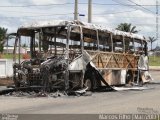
x,y
88,83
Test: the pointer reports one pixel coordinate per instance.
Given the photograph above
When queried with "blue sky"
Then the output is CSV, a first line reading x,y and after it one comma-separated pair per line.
x,y
118,11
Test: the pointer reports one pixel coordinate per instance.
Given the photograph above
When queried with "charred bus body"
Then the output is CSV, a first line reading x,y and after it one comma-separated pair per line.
x,y
73,54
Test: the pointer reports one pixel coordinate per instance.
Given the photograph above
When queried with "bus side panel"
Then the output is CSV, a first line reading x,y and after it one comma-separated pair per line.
x,y
114,77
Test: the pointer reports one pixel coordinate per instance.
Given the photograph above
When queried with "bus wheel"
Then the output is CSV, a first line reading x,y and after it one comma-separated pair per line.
x,y
129,77
88,83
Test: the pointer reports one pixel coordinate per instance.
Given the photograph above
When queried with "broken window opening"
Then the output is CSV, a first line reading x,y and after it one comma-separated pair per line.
x,y
118,45
90,40
129,45
139,48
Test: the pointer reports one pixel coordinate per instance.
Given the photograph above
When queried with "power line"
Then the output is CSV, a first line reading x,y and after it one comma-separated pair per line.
x,y
119,17
37,15
32,5
116,12
123,4
103,14
28,12
44,14
118,4
66,14
141,6
133,6
97,14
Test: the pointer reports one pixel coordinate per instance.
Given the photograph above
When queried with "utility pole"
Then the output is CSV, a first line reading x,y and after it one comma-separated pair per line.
x,y
76,10
89,11
157,36
157,23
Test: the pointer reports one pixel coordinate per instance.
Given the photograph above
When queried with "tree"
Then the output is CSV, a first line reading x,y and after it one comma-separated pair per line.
x,y
127,27
24,45
3,38
152,39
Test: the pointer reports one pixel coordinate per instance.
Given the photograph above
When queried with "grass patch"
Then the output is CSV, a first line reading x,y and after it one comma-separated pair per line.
x,y
154,60
9,56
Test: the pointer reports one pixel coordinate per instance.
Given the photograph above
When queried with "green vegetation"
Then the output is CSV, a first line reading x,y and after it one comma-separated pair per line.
x,y
8,56
127,27
154,60
151,40
3,38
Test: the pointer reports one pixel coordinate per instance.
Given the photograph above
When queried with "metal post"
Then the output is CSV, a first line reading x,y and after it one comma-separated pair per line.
x,y
81,39
67,59
76,10
89,11
111,41
55,47
31,45
15,48
40,39
82,50
134,45
97,39
19,50
124,47
146,49
138,76
7,43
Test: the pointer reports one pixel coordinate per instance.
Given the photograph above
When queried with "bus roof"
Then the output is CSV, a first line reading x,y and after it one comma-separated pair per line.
x,y
54,23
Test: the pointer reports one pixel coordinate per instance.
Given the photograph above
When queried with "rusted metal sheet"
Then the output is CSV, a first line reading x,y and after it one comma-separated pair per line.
x,y
114,60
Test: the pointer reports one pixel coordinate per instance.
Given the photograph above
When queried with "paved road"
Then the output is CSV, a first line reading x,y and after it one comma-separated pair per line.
x,y
104,102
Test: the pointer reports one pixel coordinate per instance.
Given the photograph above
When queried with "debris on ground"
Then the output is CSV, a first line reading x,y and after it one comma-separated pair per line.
x,y
130,88
57,94
31,94
82,91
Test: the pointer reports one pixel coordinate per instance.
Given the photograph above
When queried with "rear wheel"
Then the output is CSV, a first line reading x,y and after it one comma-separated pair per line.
x,y
75,80
88,83
129,77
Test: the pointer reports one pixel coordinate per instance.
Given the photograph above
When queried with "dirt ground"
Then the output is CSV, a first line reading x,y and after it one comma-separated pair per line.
x,y
6,81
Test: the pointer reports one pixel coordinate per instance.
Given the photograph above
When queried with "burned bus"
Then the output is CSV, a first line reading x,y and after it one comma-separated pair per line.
x,y
73,54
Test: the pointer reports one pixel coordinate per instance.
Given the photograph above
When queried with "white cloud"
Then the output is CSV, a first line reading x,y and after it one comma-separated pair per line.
x,y
9,24
143,19
145,2
43,2
100,20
